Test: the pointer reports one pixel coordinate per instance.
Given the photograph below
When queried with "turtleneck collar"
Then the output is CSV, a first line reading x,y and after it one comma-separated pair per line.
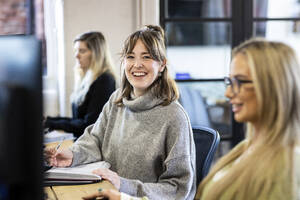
x,y
142,103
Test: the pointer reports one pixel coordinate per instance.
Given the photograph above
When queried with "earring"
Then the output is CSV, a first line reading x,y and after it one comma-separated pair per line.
x,y
159,73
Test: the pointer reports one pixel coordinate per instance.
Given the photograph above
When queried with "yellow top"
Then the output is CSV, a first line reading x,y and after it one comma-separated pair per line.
x,y
228,193
128,197
297,167
217,177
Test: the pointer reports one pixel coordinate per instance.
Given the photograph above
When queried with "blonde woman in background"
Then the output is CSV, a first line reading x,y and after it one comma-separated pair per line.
x,y
264,90
94,83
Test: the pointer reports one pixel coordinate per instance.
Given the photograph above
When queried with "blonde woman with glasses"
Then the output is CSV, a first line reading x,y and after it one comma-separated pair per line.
x,y
264,90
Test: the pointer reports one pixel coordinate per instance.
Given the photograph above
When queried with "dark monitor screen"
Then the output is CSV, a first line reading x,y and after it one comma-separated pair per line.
x,y
20,118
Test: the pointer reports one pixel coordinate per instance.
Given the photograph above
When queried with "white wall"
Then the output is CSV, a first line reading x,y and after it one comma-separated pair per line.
x,y
116,19
201,62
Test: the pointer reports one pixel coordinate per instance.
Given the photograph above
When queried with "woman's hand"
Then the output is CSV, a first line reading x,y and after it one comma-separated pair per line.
x,y
104,193
58,158
109,175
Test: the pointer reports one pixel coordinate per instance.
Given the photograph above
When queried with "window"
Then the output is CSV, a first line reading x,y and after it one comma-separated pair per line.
x,y
201,33
278,20
23,17
15,17
198,39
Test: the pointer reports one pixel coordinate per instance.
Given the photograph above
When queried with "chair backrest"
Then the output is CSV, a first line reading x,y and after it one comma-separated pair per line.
x,y
195,106
206,142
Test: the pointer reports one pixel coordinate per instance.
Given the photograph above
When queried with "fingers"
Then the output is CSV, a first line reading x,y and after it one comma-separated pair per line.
x,y
104,173
57,158
62,163
109,175
48,152
94,195
49,155
103,194
91,196
110,194
62,158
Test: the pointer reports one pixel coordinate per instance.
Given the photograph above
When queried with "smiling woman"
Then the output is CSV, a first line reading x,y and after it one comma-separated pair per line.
x,y
140,69
264,92
143,132
241,93
149,44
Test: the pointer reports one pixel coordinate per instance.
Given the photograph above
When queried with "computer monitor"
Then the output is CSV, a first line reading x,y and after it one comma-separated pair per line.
x,y
21,172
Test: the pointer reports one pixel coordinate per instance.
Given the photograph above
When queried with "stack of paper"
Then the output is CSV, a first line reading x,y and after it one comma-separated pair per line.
x,y
56,136
74,175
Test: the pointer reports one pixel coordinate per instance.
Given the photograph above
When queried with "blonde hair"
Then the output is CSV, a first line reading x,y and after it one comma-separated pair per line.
x,y
269,167
101,62
164,86
101,59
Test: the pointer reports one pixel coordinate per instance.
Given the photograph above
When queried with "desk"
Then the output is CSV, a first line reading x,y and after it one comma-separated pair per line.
x,y
73,192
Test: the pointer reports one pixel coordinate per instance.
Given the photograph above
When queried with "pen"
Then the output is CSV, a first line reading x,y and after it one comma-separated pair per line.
x,y
57,147
46,130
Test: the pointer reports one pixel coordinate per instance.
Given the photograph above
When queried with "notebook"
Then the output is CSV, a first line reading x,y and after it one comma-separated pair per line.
x,y
56,136
81,174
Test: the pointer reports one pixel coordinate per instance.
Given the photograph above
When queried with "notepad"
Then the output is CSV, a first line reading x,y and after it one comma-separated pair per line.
x,y
81,174
56,136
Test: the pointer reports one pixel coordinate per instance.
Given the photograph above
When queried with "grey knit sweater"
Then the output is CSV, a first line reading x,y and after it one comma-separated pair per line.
x,y
150,146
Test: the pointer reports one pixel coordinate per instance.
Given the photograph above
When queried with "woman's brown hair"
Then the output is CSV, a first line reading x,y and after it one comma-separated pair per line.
x,y
164,86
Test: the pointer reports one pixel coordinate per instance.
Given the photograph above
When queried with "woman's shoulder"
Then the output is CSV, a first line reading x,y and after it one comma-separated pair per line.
x,y
110,104
175,110
176,107
114,96
104,82
105,77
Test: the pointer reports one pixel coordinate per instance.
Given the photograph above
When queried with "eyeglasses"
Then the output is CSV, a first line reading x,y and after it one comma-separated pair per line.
x,y
235,83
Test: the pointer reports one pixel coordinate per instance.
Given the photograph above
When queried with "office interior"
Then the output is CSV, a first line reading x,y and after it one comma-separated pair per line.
x,y
199,37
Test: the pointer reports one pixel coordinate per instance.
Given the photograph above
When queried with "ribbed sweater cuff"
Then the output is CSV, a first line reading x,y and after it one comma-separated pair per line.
x,y
126,186
75,160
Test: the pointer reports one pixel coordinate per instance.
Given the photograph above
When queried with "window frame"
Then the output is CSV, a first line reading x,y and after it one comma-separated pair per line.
x,y
241,16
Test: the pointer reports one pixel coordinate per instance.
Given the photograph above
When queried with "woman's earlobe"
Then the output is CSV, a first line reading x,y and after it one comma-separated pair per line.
x,y
163,66
164,63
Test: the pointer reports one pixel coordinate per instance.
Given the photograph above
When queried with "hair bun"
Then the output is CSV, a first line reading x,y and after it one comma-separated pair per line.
x,y
155,28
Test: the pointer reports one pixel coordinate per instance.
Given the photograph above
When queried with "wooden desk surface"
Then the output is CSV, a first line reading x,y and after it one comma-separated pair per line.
x,y
73,192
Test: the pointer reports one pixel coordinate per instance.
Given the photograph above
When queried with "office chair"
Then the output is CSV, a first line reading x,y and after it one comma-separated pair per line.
x,y
206,143
201,114
195,106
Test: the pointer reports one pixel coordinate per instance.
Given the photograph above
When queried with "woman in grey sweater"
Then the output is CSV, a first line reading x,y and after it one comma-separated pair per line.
x,y
142,131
